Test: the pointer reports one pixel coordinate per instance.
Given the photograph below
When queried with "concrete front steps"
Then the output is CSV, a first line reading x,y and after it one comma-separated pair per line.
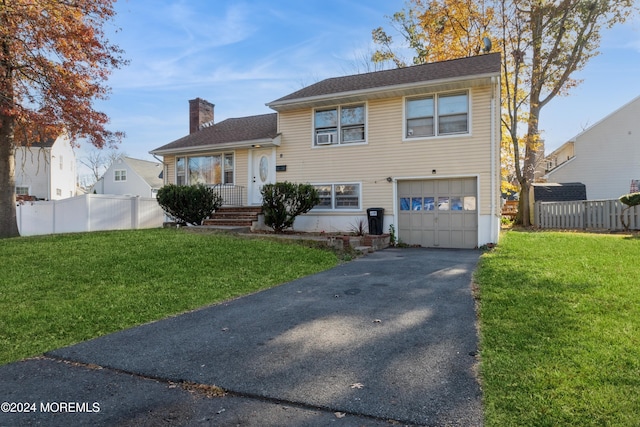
x,y
235,217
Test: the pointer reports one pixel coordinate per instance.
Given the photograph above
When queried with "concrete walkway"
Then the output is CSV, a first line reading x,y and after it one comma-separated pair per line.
x,y
387,339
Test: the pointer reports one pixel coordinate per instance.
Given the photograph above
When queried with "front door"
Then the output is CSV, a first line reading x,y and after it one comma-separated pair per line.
x,y
262,171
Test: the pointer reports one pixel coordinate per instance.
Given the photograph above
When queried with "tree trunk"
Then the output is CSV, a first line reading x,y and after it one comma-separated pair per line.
x,y
8,224
524,213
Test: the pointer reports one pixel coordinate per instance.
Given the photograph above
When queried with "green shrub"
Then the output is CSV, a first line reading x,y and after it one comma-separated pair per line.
x,y
188,204
630,200
282,202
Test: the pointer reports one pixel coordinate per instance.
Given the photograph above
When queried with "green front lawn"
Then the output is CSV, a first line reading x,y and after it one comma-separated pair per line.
x,y
560,330
62,289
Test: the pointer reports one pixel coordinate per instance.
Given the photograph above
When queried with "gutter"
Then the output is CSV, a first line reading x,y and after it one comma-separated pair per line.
x,y
263,142
495,81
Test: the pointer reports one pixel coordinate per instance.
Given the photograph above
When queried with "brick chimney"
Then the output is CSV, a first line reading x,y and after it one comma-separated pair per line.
x,y
200,112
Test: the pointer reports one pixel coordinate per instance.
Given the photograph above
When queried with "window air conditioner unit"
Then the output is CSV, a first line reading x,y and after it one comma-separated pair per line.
x,y
325,138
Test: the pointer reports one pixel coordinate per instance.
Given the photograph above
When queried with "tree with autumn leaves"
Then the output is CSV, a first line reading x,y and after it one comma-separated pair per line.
x,y
543,43
54,63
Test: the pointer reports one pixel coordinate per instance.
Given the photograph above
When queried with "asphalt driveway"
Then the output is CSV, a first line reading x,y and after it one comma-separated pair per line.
x,y
386,339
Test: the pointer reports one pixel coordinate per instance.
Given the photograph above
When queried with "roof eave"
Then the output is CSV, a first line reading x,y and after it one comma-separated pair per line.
x,y
254,143
384,91
560,166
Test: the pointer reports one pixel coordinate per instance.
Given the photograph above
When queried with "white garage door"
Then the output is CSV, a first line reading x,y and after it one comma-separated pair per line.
x,y
438,213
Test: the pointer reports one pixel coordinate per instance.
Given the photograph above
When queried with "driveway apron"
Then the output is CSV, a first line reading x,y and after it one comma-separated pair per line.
x,y
387,338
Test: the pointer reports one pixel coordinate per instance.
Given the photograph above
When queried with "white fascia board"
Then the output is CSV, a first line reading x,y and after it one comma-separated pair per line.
x,y
264,142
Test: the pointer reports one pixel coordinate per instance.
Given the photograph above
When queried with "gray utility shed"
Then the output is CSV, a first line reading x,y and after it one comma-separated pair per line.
x,y
563,192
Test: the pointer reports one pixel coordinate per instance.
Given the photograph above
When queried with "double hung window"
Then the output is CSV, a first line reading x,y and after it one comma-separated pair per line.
x,y
120,175
339,125
338,196
437,115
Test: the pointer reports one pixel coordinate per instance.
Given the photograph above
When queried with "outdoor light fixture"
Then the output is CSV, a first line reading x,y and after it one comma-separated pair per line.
x,y
389,179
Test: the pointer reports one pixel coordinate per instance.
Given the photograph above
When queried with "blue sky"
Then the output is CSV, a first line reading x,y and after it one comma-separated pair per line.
x,y
240,55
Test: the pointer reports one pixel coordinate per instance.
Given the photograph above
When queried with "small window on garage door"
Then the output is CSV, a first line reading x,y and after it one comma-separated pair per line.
x,y
438,213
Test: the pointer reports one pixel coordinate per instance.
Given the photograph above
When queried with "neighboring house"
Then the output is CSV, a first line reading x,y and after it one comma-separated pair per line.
x,y
131,177
421,142
605,157
46,170
559,156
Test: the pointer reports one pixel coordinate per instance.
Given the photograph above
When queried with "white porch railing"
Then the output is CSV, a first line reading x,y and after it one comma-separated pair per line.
x,y
90,212
585,215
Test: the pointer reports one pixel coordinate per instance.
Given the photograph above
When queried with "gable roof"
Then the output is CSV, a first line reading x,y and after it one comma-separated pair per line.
x,y
399,80
604,119
151,172
229,133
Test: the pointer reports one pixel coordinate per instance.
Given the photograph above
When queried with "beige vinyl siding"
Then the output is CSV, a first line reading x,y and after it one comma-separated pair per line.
x,y
242,173
386,154
170,161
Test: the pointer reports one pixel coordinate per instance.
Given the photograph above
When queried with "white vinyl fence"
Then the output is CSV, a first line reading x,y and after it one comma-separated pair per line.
x,y
90,212
586,215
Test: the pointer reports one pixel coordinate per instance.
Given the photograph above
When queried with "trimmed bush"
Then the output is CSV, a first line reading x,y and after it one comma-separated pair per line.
x,y
282,202
189,204
630,200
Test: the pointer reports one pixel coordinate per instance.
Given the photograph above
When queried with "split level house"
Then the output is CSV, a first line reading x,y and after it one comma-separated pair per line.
x,y
604,157
46,170
130,177
420,144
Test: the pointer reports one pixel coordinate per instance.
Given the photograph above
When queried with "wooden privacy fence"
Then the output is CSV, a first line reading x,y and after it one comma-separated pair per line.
x,y
585,215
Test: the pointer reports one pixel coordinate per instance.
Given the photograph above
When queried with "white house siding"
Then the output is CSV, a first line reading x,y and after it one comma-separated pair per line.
x,y
607,155
134,185
50,173
63,170
387,155
33,171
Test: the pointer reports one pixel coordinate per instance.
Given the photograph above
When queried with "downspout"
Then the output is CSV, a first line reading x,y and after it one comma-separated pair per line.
x,y
164,177
493,159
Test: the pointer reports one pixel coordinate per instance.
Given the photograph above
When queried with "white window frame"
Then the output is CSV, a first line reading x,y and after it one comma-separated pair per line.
x,y
436,116
223,169
120,177
334,207
337,134
22,193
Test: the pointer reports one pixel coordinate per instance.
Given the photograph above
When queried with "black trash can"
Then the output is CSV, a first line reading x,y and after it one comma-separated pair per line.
x,y
376,220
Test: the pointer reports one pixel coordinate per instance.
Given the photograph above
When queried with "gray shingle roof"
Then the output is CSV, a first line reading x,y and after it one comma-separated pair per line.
x,y
452,69
250,128
149,171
